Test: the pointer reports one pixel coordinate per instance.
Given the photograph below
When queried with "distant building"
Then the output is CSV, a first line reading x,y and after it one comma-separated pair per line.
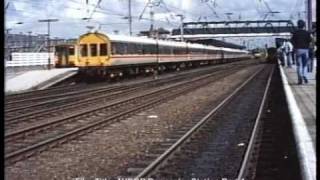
x,y
30,43
160,32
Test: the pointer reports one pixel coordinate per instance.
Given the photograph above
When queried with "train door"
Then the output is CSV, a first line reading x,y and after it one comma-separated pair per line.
x,y
62,56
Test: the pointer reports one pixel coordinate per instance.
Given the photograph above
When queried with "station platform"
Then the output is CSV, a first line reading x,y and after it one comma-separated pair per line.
x,y
301,101
36,79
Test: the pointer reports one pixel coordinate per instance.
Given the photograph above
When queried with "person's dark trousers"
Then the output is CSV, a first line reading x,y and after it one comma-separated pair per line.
x,y
281,59
293,57
310,63
302,57
288,54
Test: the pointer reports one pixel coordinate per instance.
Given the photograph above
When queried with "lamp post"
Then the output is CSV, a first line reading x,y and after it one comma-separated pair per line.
x,y
7,52
181,27
48,21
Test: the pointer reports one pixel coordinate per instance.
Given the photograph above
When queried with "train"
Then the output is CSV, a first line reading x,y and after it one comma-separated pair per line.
x,y
102,55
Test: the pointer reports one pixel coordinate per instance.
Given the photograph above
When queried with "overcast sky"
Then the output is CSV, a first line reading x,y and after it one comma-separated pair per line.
x,y
110,15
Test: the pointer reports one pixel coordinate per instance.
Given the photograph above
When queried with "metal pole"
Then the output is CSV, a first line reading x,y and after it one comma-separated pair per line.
x,y
130,18
181,27
49,65
29,40
309,15
7,44
152,22
48,21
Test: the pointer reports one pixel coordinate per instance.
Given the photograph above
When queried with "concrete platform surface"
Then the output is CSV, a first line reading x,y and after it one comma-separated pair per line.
x,y
37,79
302,107
305,95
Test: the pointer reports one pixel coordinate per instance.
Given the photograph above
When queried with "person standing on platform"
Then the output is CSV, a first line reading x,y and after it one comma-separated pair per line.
x,y
311,54
288,48
301,40
293,55
280,55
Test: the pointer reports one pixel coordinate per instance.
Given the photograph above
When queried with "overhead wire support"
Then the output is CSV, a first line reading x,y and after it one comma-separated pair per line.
x,y
181,26
94,10
130,17
48,21
213,10
150,4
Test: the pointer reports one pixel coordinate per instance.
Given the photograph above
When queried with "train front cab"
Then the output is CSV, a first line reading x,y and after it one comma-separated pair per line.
x,y
65,55
94,54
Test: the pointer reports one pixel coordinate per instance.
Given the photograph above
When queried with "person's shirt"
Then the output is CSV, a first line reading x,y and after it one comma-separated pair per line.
x,y
283,47
301,39
290,46
286,47
313,42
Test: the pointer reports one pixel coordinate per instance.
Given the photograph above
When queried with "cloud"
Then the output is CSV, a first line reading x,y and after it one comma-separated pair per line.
x,y
112,13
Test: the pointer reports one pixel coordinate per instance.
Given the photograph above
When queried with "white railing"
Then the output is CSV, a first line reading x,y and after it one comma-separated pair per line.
x,y
29,59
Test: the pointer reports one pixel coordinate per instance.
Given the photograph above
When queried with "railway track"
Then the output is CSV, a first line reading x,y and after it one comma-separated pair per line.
x,y
37,111
23,143
195,151
272,152
37,93
18,101
37,99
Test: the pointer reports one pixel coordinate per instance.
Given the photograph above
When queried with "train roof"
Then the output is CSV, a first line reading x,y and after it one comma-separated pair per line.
x,y
144,40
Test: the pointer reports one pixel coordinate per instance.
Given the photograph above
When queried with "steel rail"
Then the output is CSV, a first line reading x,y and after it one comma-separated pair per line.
x,y
148,170
94,89
58,120
58,97
243,169
40,146
17,118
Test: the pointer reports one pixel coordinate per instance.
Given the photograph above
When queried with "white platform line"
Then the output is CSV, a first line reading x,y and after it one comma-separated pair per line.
x,y
306,153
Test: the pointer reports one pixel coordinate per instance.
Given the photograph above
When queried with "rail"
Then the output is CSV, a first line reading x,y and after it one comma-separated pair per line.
x,y
306,152
250,146
148,170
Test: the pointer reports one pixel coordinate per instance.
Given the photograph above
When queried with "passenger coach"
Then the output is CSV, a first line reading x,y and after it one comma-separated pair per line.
x,y
116,55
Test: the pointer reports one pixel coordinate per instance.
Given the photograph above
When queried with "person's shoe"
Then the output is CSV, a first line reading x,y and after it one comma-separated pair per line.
x,y
305,80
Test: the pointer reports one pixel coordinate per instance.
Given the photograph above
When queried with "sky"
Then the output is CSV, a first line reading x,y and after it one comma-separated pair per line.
x,y
110,15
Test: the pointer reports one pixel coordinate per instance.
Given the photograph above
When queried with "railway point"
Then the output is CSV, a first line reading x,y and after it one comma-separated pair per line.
x,y
160,90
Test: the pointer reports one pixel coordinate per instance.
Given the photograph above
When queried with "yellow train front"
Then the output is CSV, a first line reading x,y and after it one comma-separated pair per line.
x,y
66,55
115,55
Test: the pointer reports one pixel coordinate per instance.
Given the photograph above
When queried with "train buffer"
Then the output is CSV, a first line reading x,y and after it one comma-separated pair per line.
x,y
301,100
37,79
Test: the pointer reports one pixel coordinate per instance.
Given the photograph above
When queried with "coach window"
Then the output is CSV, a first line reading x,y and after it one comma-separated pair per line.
x,y
103,49
84,50
93,49
71,50
139,48
114,48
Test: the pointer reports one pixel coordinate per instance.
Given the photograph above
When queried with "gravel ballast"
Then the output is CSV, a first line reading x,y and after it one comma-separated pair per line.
x,y
109,151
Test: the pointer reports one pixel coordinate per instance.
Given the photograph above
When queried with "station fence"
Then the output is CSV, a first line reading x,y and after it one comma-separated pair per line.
x,y
29,59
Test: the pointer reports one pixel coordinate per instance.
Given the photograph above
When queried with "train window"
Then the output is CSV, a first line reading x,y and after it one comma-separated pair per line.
x,y
114,48
93,49
161,49
147,49
131,48
84,50
103,49
139,48
71,50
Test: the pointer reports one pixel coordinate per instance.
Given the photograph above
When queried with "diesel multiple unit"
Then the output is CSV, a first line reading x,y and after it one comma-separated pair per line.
x,y
97,54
